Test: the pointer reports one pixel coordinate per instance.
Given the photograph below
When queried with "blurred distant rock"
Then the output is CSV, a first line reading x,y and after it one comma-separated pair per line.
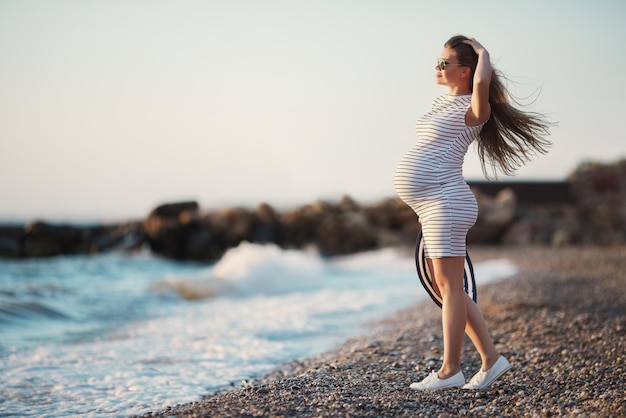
x,y
41,239
177,231
495,215
341,228
588,208
181,231
10,241
600,192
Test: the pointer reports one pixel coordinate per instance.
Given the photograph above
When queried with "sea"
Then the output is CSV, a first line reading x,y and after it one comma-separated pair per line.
x,y
125,333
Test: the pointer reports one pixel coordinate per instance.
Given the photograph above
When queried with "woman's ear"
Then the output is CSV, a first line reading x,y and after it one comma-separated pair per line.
x,y
466,72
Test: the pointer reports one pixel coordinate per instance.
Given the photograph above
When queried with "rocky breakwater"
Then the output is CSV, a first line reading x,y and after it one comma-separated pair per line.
x,y
41,239
183,231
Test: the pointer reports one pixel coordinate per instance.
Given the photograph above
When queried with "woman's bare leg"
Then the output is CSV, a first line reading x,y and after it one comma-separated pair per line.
x,y
448,274
475,327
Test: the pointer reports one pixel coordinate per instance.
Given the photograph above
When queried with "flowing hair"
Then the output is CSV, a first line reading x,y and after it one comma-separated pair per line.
x,y
510,137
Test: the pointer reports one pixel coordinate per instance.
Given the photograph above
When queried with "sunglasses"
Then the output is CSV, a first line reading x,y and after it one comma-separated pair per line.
x,y
441,63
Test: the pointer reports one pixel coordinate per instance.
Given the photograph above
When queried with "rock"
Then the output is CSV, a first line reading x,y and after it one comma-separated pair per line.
x,y
395,221
343,228
45,240
600,191
178,231
235,225
345,234
519,234
495,216
347,204
10,241
267,226
301,224
501,210
41,239
35,247
174,210
126,236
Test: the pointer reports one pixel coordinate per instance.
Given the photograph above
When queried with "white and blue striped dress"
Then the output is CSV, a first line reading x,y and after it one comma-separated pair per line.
x,y
429,178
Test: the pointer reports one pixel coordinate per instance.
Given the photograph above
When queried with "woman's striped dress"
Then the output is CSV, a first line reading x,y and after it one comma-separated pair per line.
x,y
429,178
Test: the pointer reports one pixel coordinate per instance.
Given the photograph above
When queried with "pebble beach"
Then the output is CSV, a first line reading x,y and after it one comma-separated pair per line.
x,y
561,322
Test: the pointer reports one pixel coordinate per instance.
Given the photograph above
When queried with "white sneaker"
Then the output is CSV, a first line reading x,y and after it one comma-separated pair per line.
x,y
433,382
482,380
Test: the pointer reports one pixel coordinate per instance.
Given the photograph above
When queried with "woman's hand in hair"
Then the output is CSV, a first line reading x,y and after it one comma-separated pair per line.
x,y
476,46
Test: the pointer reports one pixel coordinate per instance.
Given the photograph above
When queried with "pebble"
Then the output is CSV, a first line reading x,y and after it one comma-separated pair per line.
x,y
554,322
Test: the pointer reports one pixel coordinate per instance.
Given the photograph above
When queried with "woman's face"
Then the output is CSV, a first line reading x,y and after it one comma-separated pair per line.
x,y
451,74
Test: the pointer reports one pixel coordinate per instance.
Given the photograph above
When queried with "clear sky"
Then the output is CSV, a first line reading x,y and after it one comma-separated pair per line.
x,y
108,108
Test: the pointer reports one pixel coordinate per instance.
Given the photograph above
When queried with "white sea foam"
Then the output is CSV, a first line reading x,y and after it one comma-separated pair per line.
x,y
267,306
252,269
260,268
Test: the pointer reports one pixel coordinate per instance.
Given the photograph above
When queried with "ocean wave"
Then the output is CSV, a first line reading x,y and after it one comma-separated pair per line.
x,y
250,269
266,269
12,309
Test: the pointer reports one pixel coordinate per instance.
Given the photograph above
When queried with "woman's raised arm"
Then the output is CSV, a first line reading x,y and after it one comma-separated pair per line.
x,y
480,109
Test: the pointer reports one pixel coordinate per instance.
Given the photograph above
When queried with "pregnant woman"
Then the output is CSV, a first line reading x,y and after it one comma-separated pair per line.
x,y
429,178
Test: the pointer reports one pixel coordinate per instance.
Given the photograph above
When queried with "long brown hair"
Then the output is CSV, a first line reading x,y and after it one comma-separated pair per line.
x,y
510,137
